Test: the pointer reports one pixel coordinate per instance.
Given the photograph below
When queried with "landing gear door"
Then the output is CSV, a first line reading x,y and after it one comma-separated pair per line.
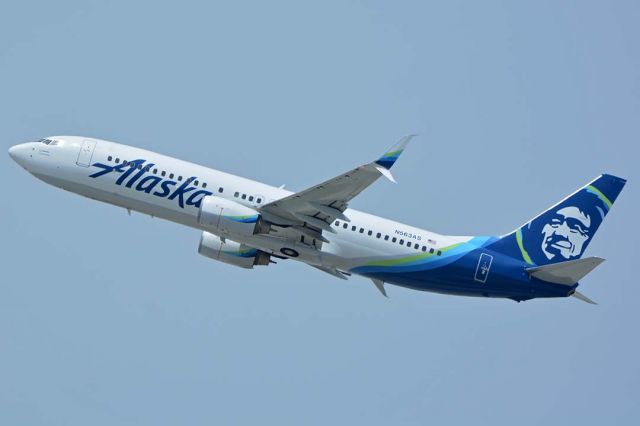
x,y
86,152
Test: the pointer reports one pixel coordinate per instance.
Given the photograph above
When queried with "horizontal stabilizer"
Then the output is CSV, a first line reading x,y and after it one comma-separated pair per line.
x,y
567,273
584,298
380,286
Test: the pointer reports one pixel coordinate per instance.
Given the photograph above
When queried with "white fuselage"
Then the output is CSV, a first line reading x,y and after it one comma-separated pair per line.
x,y
68,164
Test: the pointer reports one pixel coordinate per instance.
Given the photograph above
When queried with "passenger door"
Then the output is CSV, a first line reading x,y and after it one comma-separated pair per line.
x,y
86,152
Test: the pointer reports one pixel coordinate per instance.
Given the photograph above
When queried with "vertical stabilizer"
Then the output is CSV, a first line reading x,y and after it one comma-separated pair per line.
x,y
564,231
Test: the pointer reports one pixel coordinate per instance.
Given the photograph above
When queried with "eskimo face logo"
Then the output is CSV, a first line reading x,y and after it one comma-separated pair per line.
x,y
563,232
566,234
185,194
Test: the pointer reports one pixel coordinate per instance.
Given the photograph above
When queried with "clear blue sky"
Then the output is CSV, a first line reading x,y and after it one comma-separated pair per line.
x,y
107,319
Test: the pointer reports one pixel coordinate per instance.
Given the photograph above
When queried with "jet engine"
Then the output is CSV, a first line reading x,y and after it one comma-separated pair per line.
x,y
228,251
226,217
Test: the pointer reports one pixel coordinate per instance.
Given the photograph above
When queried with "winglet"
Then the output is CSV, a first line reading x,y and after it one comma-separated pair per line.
x,y
390,157
386,173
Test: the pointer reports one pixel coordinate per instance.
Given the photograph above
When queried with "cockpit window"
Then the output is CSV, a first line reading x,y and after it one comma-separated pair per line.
x,y
48,141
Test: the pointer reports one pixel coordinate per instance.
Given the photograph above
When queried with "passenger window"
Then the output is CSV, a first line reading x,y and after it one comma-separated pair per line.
x,y
179,178
378,235
394,239
386,238
204,184
337,223
109,158
139,166
362,230
417,246
236,194
117,160
431,250
195,183
155,171
244,196
408,243
439,253
345,225
170,175
401,242
370,232
146,169
250,197
259,200
163,173
424,248
353,228
221,190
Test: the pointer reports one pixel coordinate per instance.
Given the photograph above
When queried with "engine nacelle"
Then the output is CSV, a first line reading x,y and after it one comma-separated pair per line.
x,y
231,252
226,217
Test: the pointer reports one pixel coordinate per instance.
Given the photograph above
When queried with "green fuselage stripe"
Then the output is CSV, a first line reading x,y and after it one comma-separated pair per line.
x,y
410,259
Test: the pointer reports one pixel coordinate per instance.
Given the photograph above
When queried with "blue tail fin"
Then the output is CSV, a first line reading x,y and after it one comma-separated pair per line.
x,y
564,231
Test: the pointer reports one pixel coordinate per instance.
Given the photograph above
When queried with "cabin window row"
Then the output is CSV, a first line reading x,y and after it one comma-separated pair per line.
x,y
250,198
400,241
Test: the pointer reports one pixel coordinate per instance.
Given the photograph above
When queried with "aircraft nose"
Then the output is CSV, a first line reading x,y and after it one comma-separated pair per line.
x,y
13,152
20,153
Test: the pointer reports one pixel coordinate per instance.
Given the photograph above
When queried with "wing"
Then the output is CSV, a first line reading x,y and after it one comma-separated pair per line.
x,y
312,211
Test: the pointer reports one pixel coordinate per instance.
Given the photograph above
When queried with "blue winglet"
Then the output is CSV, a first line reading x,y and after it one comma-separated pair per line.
x,y
389,158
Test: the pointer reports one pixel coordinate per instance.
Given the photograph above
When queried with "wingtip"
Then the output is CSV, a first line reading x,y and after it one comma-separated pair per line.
x,y
388,159
386,173
402,143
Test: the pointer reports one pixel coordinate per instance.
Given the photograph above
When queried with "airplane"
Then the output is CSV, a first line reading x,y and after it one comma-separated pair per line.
x,y
248,223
